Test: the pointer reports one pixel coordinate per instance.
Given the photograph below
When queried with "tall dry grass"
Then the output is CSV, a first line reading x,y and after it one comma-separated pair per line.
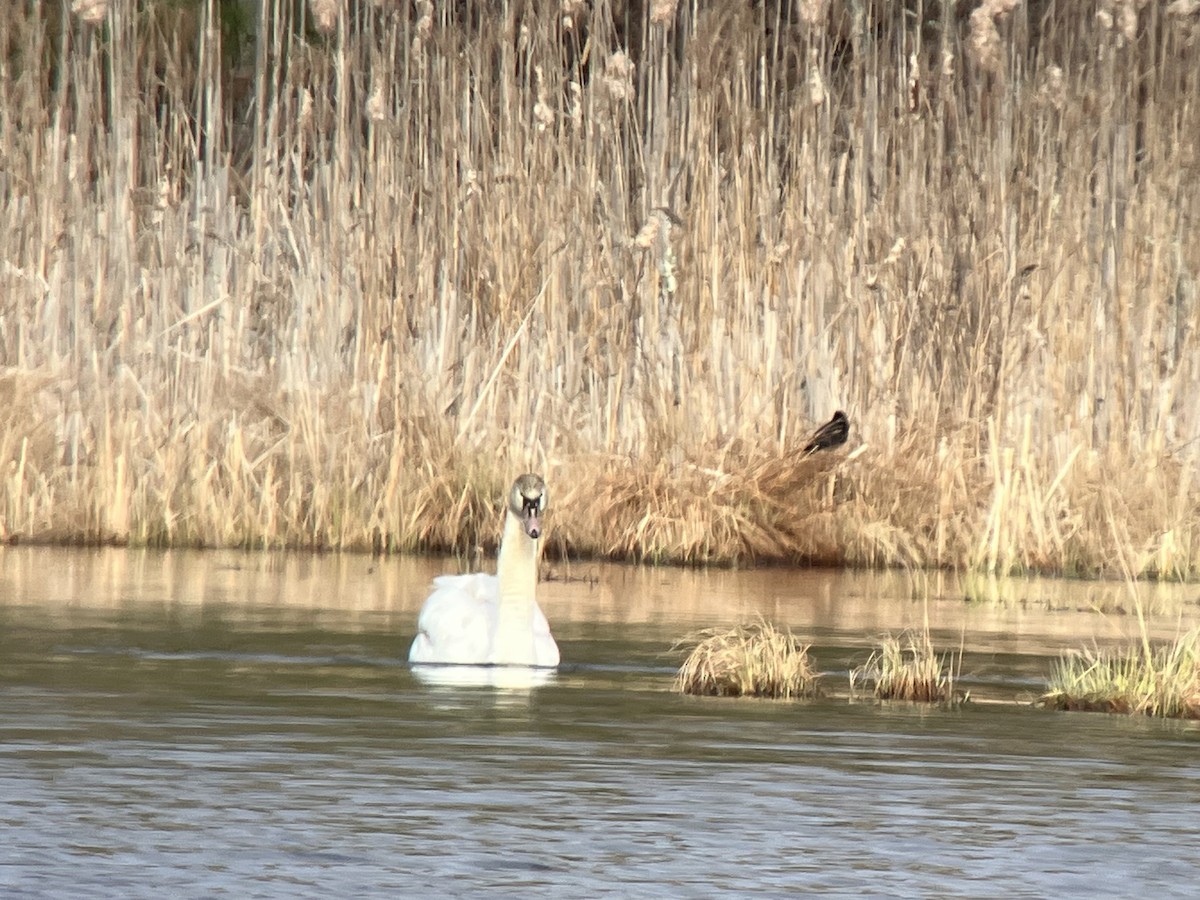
x,y
334,291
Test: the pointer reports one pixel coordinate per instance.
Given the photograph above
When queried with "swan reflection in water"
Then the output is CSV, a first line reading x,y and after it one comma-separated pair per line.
x,y
507,678
492,623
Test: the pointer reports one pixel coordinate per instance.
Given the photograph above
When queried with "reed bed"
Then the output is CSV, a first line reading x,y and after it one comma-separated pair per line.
x,y
1162,681
907,667
327,274
753,659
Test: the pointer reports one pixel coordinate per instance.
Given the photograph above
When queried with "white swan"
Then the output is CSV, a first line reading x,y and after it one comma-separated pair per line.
x,y
495,620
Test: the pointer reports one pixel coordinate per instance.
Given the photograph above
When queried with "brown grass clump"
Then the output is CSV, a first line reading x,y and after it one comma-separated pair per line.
x,y
721,506
1163,681
749,660
908,668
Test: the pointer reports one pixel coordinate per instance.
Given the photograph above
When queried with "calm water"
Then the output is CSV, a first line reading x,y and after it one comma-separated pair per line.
x,y
236,725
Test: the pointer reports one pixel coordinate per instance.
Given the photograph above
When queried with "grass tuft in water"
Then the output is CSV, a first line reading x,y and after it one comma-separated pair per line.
x,y
906,667
752,659
1162,681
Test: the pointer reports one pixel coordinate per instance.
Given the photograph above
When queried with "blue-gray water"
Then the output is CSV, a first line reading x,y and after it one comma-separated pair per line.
x,y
196,725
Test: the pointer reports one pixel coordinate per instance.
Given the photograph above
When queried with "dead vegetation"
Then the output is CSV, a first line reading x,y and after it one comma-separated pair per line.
x,y
312,280
1161,681
907,667
754,659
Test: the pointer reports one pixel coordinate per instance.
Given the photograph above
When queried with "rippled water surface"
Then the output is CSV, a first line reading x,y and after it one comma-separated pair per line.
x,y
245,725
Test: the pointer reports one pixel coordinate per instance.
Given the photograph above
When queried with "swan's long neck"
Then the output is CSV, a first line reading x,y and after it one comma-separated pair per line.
x,y
516,570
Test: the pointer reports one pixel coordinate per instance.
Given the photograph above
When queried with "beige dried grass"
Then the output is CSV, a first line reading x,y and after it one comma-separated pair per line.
x,y
1162,681
257,301
750,660
906,667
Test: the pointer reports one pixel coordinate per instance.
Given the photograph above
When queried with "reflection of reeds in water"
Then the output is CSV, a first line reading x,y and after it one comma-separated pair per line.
x,y
750,660
1162,681
908,668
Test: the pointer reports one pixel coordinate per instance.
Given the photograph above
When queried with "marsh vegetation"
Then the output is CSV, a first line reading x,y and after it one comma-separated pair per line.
x,y
760,659
327,274
907,667
1161,680
753,659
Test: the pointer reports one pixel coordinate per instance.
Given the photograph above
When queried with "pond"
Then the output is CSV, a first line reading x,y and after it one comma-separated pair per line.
x,y
208,724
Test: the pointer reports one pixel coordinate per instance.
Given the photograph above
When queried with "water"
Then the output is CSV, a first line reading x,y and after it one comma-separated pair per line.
x,y
221,724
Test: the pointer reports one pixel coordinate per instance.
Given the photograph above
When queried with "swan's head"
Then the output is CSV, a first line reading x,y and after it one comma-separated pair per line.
x,y
527,501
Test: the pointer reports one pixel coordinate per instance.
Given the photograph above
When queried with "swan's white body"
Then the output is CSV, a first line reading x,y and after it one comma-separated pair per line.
x,y
493,620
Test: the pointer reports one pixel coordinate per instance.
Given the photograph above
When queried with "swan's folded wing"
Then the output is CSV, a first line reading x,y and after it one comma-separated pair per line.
x,y
457,620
